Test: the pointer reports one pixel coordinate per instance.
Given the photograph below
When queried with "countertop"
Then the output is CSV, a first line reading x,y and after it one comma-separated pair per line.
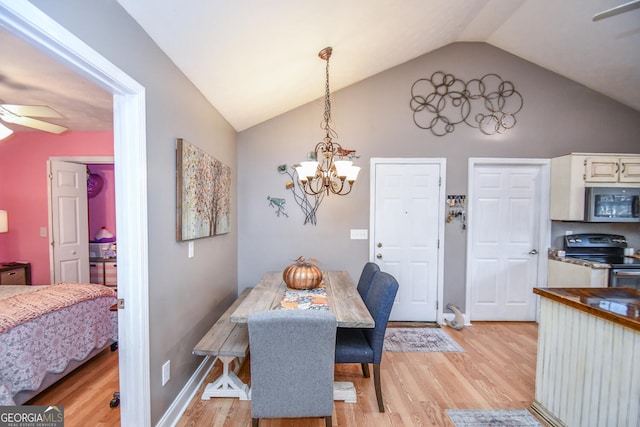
x,y
577,261
618,305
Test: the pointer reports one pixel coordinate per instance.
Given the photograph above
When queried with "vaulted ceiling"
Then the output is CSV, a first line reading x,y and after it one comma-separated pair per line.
x,y
255,59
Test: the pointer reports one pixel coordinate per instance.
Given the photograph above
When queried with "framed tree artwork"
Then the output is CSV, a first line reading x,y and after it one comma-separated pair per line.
x,y
203,193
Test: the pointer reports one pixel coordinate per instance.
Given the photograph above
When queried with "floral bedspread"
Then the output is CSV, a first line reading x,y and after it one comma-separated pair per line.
x,y
48,342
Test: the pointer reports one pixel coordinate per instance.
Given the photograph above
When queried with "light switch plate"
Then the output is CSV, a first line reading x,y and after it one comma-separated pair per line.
x,y
191,249
166,372
359,234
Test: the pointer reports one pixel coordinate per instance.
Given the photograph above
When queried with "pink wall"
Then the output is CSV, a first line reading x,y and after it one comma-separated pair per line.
x,y
24,194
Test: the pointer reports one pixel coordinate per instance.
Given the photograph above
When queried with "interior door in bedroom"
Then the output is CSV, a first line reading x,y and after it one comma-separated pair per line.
x,y
69,219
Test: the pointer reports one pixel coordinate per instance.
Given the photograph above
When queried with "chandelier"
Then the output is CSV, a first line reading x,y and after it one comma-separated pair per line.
x,y
325,173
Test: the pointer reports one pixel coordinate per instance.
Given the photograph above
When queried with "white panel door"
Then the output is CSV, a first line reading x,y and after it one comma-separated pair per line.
x,y
406,227
504,234
69,222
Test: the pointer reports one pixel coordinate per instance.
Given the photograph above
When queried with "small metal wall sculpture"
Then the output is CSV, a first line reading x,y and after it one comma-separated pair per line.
x,y
443,101
278,203
308,204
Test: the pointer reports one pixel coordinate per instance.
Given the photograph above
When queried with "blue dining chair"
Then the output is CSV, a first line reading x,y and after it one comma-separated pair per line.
x,y
292,364
364,346
366,276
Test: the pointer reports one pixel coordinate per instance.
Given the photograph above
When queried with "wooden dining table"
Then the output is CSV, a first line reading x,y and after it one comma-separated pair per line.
x,y
343,300
342,294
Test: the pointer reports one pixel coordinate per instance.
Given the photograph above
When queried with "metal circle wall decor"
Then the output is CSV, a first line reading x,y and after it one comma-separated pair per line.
x,y
442,102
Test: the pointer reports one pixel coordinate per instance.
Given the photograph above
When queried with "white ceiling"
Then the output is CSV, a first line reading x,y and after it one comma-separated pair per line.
x,y
256,59
27,76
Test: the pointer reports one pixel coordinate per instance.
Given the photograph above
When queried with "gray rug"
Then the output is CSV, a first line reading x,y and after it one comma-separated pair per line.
x,y
419,340
491,418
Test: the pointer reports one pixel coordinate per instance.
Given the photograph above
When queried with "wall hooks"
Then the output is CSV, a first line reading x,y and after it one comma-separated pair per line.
x,y
457,210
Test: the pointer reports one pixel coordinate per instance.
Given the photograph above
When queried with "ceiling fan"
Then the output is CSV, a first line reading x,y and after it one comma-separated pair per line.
x,y
23,115
617,10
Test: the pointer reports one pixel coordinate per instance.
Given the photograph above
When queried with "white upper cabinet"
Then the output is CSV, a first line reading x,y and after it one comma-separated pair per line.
x,y
571,174
612,169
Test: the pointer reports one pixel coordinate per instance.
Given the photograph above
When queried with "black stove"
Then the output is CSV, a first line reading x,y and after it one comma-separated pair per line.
x,y
602,248
615,261
607,249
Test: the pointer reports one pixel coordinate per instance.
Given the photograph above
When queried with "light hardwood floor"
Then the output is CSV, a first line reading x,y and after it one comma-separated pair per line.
x,y
497,371
86,392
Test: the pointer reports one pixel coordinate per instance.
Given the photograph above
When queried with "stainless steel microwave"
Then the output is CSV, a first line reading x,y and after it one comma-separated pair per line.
x,y
612,204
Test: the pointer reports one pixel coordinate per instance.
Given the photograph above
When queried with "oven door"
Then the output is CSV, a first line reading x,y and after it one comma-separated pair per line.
x,y
625,278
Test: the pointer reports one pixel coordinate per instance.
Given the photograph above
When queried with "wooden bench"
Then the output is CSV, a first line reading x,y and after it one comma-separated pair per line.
x,y
228,342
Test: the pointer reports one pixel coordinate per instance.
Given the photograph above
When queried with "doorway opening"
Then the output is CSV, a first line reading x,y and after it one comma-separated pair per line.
x,y
29,23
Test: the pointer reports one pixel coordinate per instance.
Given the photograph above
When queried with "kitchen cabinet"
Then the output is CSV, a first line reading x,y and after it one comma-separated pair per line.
x,y
586,369
612,169
103,271
563,274
572,173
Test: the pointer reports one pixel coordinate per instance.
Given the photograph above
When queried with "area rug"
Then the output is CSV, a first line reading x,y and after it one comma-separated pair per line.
x,y
419,340
491,418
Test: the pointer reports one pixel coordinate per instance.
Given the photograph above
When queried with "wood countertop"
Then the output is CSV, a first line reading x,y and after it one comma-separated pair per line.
x,y
618,305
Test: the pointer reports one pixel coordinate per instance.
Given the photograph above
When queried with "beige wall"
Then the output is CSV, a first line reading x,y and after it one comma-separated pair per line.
x,y
559,116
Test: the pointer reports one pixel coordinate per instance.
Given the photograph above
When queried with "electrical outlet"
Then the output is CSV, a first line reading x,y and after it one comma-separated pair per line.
x,y
166,372
568,232
43,231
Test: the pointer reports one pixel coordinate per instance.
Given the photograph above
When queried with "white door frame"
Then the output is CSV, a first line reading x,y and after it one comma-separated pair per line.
x,y
441,215
544,236
35,27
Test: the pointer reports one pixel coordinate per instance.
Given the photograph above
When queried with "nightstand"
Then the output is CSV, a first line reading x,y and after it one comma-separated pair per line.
x,y
15,273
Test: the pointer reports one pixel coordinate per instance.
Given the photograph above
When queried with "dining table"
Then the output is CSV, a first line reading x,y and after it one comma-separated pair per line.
x,y
342,296
342,299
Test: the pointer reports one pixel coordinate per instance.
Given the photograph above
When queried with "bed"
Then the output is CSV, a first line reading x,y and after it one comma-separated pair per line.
x,y
47,331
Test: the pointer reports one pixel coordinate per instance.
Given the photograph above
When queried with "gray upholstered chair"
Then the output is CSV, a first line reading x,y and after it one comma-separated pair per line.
x,y
364,346
292,364
366,277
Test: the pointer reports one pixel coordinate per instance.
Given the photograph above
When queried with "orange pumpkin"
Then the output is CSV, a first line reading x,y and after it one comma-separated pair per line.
x,y
302,275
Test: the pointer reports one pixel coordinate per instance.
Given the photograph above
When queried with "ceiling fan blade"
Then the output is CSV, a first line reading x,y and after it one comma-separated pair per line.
x,y
34,123
32,110
617,10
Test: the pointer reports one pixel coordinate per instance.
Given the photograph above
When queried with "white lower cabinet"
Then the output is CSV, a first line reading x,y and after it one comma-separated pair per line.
x,y
563,274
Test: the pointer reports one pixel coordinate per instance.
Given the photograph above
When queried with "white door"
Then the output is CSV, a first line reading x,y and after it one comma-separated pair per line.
x,y
69,222
507,205
407,216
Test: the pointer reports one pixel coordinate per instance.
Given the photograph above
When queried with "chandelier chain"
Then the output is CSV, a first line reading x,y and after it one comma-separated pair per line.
x,y
327,106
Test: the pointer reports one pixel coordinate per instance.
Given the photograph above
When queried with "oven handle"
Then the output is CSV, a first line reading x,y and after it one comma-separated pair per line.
x,y
627,274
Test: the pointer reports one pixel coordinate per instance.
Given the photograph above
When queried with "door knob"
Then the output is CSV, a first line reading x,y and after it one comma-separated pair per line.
x,y
533,252
379,245
379,256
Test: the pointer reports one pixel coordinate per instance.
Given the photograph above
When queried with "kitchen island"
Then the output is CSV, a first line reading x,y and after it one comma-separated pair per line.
x,y
588,339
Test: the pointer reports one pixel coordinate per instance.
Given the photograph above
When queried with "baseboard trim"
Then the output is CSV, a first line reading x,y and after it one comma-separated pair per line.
x,y
182,401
